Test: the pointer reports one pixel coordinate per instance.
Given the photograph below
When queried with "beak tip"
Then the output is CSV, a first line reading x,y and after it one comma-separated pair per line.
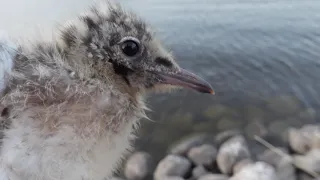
x,y
212,92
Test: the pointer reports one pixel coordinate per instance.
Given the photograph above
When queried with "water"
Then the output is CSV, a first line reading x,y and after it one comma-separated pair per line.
x,y
251,51
243,46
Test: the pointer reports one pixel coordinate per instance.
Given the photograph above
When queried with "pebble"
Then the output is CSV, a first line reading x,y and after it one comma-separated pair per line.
x,y
138,166
277,127
185,145
254,113
307,114
304,139
223,136
203,155
213,177
241,164
172,178
284,105
284,168
309,162
271,157
199,171
304,176
228,123
256,128
116,178
257,171
230,152
197,158
315,141
172,165
216,111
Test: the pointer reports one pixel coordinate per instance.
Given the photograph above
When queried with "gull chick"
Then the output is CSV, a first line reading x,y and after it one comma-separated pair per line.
x,y
69,107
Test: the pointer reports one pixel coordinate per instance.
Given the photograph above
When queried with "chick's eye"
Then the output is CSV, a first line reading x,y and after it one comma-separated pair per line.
x,y
130,47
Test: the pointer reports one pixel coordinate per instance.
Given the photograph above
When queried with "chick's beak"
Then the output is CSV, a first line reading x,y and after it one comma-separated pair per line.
x,y
187,79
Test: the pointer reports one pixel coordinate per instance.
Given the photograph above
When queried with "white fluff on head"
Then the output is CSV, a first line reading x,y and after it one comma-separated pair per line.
x,y
7,52
104,5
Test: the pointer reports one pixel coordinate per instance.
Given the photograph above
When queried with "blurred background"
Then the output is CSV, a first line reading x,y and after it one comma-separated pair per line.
x,y
261,57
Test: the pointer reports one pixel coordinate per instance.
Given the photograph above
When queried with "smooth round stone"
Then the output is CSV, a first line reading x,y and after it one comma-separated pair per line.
x,y
172,178
256,171
305,176
184,145
286,170
223,136
304,139
226,123
254,114
256,128
307,114
230,152
277,127
199,171
283,165
213,177
138,166
298,142
115,178
271,157
241,164
203,155
172,165
309,161
216,111
284,105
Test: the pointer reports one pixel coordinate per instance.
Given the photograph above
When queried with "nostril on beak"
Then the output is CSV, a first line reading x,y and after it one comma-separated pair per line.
x,y
163,61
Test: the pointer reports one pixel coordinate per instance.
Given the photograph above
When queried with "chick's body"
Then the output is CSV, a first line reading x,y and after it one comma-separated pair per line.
x,y
64,123
71,106
65,128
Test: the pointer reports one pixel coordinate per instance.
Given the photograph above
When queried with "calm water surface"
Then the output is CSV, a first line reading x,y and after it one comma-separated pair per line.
x,y
252,52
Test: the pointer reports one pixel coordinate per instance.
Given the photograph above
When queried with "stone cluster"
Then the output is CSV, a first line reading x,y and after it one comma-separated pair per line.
x,y
228,156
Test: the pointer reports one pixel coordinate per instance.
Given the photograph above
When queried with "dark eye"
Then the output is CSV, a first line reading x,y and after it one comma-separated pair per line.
x,y
130,47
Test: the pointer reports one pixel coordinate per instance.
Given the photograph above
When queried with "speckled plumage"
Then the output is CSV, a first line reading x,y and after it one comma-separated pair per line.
x,y
73,104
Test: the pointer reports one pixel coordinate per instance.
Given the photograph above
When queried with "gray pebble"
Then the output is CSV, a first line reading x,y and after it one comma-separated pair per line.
x,y
284,168
304,176
241,164
307,114
172,165
256,171
227,122
230,152
115,178
304,139
272,157
309,162
256,128
172,178
199,171
216,111
203,155
138,166
182,147
223,136
277,127
284,105
213,177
